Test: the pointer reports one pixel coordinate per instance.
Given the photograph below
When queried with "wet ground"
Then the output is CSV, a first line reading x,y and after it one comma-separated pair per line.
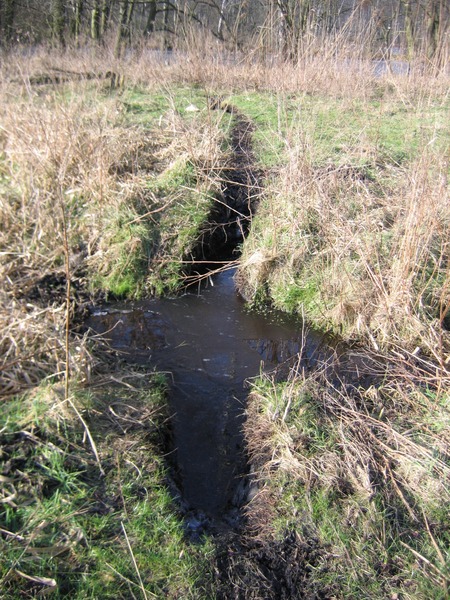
x,y
210,345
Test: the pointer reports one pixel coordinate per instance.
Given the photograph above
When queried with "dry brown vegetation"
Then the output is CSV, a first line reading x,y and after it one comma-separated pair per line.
x,y
73,165
57,156
365,257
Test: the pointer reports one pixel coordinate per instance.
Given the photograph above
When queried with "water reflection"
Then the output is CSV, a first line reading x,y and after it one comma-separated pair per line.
x,y
211,345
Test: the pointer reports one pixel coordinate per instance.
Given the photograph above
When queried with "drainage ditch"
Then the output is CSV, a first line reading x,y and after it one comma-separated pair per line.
x,y
211,346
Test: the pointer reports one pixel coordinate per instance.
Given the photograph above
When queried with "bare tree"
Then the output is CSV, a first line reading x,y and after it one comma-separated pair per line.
x,y
294,17
437,26
7,13
59,21
105,16
263,25
95,19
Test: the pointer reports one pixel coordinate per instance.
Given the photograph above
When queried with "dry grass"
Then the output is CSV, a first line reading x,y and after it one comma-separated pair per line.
x,y
364,470
59,157
341,67
72,157
364,249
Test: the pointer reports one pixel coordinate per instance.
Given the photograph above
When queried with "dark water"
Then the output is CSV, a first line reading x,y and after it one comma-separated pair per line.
x,y
211,345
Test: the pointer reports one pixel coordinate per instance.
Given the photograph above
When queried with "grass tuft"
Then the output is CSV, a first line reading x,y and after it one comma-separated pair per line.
x,y
363,473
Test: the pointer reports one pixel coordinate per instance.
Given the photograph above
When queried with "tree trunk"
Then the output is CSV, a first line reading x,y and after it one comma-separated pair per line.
x,y
409,28
221,19
304,8
435,27
166,44
124,29
7,13
104,17
284,28
95,20
151,18
78,14
58,21
331,16
294,18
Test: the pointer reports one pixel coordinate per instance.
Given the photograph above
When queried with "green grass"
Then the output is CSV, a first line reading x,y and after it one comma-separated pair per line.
x,y
147,108
341,131
303,292
325,484
342,191
130,244
137,176
179,227
71,525
185,186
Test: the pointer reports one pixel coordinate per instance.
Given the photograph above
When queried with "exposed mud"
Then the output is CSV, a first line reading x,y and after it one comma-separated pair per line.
x,y
255,569
51,290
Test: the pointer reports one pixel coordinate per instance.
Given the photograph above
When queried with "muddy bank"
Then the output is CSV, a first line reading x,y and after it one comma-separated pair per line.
x,y
252,568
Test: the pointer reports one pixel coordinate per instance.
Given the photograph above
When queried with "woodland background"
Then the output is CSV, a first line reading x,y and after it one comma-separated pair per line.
x,y
269,28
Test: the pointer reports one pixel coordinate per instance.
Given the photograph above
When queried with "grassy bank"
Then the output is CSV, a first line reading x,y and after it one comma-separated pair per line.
x,y
352,234
363,474
92,518
109,189
353,228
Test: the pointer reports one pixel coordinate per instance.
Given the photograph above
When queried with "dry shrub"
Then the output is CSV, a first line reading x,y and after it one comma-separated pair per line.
x,y
30,342
337,67
32,346
199,140
63,156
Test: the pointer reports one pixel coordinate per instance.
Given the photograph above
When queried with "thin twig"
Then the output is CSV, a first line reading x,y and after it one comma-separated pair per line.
x,y
67,267
88,433
433,541
426,561
144,592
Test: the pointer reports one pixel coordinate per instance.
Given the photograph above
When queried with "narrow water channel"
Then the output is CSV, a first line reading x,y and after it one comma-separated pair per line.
x,y
210,344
